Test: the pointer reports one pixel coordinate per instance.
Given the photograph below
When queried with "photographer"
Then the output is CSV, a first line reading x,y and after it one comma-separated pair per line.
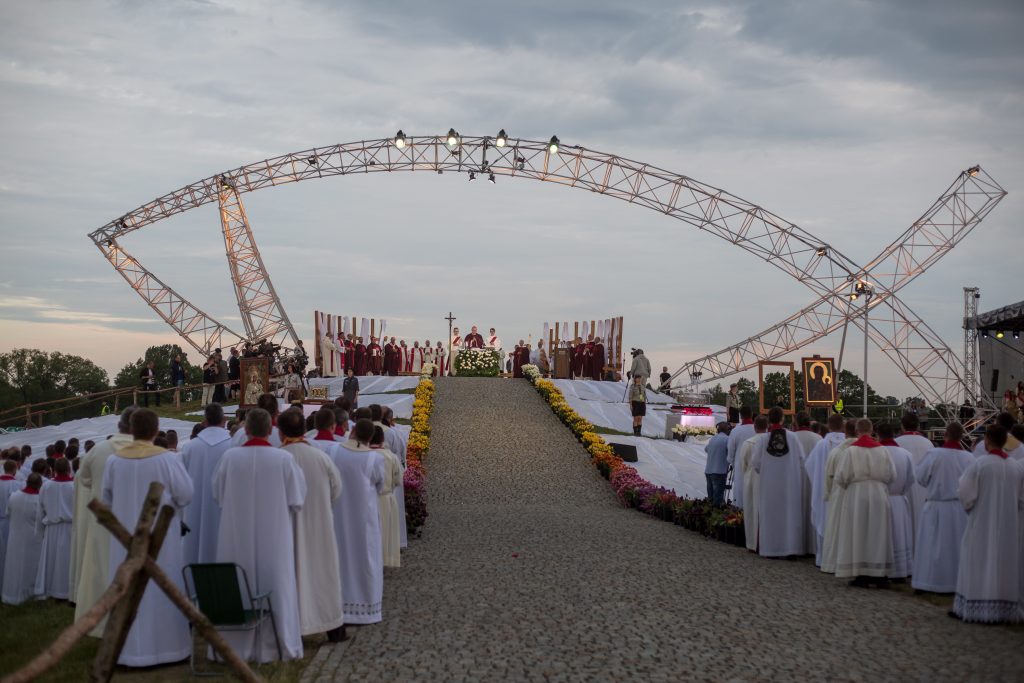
x,y
641,366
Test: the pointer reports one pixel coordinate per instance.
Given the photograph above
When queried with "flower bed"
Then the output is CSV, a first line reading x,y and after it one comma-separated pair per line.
x,y
415,479
477,363
723,523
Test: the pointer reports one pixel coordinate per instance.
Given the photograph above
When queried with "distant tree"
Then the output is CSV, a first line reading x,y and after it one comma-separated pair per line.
x,y
161,356
34,376
747,390
716,395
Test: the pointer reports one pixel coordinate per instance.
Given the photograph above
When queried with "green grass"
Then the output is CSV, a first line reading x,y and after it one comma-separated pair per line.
x,y
613,432
30,627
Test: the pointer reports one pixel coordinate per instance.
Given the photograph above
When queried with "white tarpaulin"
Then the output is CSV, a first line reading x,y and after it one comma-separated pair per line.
x,y
376,384
672,464
90,428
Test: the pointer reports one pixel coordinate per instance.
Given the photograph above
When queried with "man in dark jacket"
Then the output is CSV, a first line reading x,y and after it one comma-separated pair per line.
x,y
234,372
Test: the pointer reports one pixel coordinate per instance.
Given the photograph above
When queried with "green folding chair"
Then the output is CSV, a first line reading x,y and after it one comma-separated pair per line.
x,y
216,591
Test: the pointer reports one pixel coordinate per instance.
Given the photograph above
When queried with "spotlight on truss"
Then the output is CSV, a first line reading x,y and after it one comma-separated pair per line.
x,y
453,137
553,144
973,171
472,176
490,178
502,138
399,139
999,334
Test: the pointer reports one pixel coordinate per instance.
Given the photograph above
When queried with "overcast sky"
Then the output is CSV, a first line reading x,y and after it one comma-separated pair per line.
x,y
847,118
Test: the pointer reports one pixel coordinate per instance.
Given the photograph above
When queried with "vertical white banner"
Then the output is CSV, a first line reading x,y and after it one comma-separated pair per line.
x,y
364,330
565,332
383,327
545,335
586,330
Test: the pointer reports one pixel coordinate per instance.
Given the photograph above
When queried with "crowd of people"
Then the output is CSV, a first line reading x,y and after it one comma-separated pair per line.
x,y
878,502
310,507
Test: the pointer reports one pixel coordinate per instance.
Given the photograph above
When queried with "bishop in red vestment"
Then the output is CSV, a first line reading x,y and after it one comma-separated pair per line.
x,y
350,353
578,358
389,357
376,356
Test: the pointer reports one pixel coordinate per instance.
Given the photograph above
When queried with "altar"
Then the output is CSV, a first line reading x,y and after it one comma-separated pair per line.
x,y
692,417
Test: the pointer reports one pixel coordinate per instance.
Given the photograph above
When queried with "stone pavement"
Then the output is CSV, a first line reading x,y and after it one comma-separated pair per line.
x,y
528,570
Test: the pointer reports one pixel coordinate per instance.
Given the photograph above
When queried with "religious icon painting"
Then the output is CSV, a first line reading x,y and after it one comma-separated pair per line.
x,y
255,380
819,381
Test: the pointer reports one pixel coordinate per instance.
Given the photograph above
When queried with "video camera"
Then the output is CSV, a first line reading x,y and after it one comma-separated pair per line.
x,y
634,352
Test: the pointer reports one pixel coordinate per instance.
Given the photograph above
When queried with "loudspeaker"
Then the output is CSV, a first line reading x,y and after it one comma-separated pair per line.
x,y
995,380
625,451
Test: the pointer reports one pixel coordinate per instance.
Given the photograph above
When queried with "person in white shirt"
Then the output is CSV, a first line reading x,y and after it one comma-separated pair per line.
x,y
201,456
56,502
739,434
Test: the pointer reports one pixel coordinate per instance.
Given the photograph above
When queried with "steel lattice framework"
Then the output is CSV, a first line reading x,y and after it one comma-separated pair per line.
x,y
894,328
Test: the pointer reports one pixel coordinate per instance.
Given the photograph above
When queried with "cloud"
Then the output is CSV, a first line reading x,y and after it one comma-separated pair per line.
x,y
848,118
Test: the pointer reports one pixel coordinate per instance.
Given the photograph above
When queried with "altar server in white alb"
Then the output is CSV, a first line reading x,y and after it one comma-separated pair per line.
x,y
316,549
56,502
834,501
1013,448
808,440
357,525
751,483
396,444
8,485
259,486
201,456
24,545
90,540
863,546
814,464
943,520
900,514
739,434
918,445
989,583
387,506
779,460
160,631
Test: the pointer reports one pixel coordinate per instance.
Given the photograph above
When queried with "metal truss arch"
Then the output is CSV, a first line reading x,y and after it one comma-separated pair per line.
x,y
806,258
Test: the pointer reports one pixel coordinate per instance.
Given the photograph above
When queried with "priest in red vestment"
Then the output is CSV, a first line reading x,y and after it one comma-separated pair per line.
x,y
376,356
588,358
597,360
389,357
359,355
520,357
474,340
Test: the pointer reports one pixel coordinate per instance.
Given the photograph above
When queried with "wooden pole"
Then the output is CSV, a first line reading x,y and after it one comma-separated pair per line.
x,y
123,614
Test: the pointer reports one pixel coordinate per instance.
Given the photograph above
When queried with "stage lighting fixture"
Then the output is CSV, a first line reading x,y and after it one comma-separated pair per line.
x,y
1016,334
999,334
853,296
984,334
453,137
501,139
490,177
472,176
822,251
553,144
973,171
399,139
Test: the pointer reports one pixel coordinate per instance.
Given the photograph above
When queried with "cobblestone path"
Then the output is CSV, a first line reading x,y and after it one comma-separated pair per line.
x,y
528,570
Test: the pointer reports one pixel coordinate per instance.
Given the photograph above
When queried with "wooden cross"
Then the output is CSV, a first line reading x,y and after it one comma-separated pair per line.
x,y
451,319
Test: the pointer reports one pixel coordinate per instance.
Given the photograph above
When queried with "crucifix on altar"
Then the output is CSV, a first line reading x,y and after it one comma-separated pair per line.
x,y
451,319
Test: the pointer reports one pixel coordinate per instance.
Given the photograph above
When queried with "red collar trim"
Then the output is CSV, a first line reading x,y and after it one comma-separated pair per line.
x,y
30,491
61,477
746,422
803,429
258,441
1000,452
6,477
58,455
323,435
911,433
955,445
889,442
866,441
339,430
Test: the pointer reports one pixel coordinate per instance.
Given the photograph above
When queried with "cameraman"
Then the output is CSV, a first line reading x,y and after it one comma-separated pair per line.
x,y
641,366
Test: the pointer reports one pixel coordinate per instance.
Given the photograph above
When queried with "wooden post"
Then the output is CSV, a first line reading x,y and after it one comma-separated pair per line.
x,y
28,417
123,614
117,399
177,398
